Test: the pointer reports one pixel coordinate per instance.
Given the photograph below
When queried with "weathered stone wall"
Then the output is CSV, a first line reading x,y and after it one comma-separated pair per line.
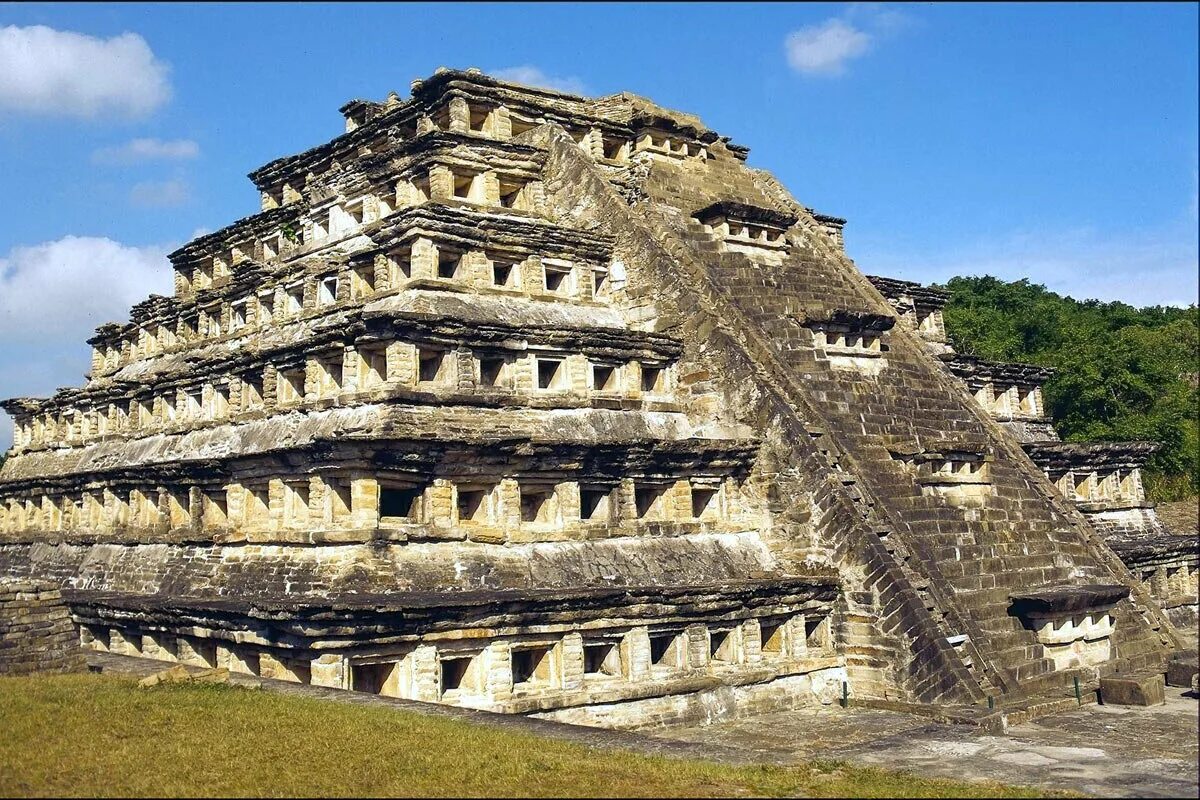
x,y
716,704
36,632
296,570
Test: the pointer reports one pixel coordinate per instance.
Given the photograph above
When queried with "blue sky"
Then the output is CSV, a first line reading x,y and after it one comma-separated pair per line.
x,y
1057,142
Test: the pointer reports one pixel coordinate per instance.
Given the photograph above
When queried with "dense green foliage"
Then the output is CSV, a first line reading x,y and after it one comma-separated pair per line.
x,y
1122,372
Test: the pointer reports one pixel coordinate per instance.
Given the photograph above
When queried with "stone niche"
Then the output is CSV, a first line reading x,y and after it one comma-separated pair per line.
x,y
851,340
1074,624
918,307
961,477
757,232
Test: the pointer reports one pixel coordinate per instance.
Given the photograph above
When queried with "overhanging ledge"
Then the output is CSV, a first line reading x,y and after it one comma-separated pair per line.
x,y
1057,600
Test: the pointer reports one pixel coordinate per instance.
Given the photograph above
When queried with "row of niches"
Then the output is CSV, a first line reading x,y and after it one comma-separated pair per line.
x,y
370,371
864,344
928,322
472,671
300,297
335,220
748,233
1009,402
961,479
1076,640
1170,582
499,122
493,509
862,351
1101,486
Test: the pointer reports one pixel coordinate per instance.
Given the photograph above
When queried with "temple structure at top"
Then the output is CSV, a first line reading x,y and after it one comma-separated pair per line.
x,y
535,403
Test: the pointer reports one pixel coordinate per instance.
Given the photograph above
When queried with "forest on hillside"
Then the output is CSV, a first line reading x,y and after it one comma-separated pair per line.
x,y
1121,372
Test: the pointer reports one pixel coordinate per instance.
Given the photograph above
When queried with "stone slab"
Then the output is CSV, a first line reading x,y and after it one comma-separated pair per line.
x,y
1146,689
1097,750
1182,671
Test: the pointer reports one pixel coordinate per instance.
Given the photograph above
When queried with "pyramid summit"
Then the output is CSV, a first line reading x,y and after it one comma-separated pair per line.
x,y
523,401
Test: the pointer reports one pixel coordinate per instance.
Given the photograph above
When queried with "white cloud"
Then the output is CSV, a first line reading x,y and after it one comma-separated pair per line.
x,y
532,76
62,289
63,73
137,151
824,49
53,296
160,194
1156,266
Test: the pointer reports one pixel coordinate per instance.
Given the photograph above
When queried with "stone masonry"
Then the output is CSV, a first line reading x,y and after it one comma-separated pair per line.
x,y
528,402
1102,479
36,631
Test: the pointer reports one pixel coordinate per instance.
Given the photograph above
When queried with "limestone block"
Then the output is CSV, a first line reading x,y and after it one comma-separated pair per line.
x,y
508,503
751,641
696,639
678,502
196,652
441,185
439,498
93,638
827,685
533,197
533,279
423,258
498,665
568,497
159,646
329,670
238,659
1182,671
425,674
401,363
626,500
176,674
501,122
794,639
460,115
490,189
124,643
635,654
571,651
271,667
1146,689
364,501
578,373
524,369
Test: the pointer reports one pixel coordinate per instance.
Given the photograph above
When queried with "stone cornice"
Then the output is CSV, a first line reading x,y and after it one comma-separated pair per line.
x,y
975,371
923,297
1090,456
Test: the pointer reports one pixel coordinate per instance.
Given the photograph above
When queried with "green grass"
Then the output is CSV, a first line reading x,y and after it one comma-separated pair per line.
x,y
93,735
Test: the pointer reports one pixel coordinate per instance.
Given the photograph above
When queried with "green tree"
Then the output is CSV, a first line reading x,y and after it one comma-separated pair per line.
x,y
1121,372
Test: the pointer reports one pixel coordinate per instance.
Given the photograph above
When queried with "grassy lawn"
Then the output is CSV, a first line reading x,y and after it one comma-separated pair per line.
x,y
93,735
